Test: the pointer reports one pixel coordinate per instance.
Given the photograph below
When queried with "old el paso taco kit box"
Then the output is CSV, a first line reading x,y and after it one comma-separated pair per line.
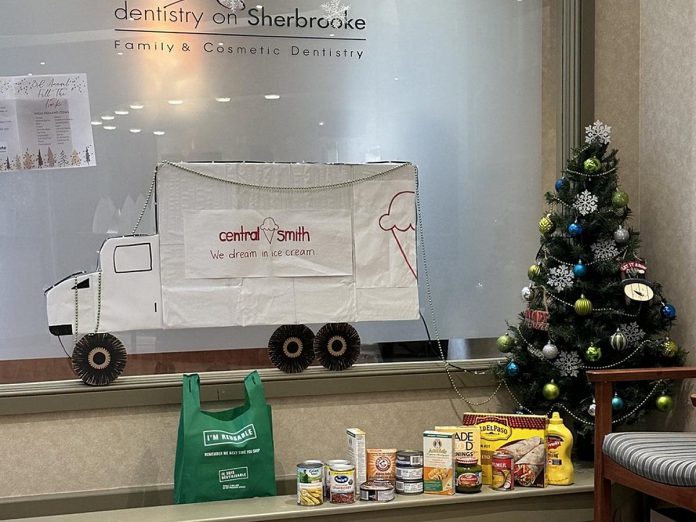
x,y
522,436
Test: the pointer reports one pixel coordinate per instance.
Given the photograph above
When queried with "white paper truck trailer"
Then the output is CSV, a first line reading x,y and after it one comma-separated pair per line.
x,y
252,244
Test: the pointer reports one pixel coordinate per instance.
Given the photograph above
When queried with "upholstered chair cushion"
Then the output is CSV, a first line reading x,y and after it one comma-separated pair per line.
x,y
668,457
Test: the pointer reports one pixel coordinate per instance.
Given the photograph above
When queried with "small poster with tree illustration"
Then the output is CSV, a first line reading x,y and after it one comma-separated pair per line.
x,y
45,122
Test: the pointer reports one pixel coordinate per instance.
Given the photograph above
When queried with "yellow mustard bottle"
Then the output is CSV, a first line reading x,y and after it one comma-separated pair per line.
x,y
559,445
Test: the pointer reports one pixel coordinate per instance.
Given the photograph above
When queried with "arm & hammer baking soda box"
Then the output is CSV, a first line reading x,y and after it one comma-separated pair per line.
x,y
438,463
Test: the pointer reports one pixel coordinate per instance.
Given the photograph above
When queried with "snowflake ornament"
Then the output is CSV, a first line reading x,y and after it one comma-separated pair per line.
x,y
604,249
598,132
568,364
334,9
632,333
233,5
561,277
586,202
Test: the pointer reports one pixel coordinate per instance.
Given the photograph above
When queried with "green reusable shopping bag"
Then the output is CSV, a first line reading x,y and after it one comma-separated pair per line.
x,y
222,455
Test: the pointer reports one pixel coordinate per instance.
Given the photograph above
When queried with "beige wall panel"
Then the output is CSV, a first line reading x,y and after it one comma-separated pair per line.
x,y
617,68
668,165
104,449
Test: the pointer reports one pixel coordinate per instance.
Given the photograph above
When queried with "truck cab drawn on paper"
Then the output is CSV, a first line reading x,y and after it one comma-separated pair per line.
x,y
315,249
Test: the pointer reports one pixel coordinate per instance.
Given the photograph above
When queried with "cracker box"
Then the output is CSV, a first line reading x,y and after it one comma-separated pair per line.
x,y
467,441
438,463
522,436
357,455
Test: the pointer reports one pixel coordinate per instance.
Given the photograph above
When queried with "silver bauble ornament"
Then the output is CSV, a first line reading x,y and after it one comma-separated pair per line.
x,y
618,341
621,235
550,350
592,409
526,293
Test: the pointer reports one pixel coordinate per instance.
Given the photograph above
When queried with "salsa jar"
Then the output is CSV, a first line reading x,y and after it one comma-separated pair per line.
x,y
468,474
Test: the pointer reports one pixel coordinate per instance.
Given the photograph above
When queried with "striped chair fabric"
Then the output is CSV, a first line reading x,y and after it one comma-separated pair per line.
x,y
669,458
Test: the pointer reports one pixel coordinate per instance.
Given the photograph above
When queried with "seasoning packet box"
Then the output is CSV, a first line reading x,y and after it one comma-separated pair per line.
x,y
357,455
438,463
467,441
522,436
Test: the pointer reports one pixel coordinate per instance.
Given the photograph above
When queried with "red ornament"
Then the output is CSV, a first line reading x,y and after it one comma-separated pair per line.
x,y
537,319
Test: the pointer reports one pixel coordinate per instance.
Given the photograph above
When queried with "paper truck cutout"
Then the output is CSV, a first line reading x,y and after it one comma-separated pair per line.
x,y
231,251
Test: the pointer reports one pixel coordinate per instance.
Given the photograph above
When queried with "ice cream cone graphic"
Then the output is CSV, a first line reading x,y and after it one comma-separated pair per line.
x,y
269,226
399,221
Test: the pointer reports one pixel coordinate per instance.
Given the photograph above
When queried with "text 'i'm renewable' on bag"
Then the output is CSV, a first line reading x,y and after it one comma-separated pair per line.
x,y
224,455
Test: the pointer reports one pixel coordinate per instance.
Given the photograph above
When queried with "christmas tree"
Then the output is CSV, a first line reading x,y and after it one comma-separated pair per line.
x,y
590,303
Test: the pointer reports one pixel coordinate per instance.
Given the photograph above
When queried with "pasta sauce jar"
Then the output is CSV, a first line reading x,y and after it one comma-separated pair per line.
x,y
468,473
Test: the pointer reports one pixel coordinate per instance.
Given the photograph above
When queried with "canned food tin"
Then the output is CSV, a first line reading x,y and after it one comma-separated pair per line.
x,y
377,491
310,483
342,484
409,473
501,472
327,469
409,458
409,487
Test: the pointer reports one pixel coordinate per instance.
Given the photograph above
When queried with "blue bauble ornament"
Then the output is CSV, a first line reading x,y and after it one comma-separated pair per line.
x,y
580,270
617,403
561,183
512,369
669,312
575,229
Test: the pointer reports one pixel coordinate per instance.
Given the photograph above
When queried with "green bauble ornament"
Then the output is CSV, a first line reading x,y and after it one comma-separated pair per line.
x,y
619,199
670,348
533,272
593,353
583,306
551,391
664,403
592,165
505,343
546,225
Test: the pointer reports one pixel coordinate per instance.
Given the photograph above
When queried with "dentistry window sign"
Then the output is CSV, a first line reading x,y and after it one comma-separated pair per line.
x,y
45,122
329,30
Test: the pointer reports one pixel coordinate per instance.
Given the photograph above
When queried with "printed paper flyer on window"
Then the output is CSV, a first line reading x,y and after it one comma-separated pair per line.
x,y
45,122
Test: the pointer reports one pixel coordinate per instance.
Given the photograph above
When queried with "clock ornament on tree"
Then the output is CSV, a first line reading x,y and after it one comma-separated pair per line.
x,y
591,300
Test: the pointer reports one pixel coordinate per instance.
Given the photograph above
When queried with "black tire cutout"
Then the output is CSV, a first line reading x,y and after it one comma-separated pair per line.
x,y
290,348
337,346
98,359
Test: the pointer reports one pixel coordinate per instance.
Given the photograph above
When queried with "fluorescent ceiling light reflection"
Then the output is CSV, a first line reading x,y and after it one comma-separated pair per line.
x,y
223,99
109,127
272,96
95,122
121,112
321,123
119,53
175,102
42,63
135,131
136,106
107,117
158,133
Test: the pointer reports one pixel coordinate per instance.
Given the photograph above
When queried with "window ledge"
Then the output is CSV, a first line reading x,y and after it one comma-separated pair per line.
x,y
532,502
156,390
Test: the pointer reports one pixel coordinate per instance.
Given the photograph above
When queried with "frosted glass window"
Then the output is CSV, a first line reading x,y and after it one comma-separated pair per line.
x,y
453,86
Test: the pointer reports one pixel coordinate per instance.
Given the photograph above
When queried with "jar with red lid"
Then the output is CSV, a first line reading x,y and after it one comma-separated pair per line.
x,y
468,473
